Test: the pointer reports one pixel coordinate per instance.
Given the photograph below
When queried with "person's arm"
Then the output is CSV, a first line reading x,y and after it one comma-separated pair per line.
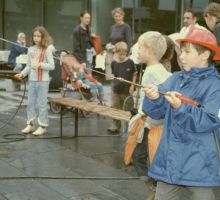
x,y
77,46
128,36
13,54
134,78
132,87
111,77
27,68
154,104
20,50
199,119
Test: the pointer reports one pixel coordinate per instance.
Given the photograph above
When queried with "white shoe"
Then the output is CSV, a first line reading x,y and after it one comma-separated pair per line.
x,y
28,129
40,131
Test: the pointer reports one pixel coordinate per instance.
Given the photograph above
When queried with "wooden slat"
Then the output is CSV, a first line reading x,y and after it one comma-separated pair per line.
x,y
93,107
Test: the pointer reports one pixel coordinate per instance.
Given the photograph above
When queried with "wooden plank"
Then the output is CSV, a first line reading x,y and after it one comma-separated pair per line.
x,y
93,107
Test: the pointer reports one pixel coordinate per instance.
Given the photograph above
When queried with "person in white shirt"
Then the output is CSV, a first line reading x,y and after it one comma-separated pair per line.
x,y
189,19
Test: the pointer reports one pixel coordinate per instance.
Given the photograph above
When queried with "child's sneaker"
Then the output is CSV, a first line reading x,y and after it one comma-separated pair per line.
x,y
102,103
40,131
28,129
113,130
92,99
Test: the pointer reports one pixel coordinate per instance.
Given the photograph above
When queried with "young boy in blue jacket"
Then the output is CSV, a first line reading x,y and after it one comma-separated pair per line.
x,y
187,156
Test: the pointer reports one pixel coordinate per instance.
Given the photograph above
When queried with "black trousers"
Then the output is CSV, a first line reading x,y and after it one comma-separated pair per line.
x,y
140,156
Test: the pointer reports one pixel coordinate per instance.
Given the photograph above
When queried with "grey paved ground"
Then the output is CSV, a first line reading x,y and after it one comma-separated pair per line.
x,y
91,168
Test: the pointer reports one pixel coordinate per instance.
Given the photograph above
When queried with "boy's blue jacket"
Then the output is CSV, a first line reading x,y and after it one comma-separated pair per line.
x,y
187,154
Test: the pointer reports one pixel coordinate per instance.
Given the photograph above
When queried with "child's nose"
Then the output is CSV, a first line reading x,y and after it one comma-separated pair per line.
x,y
181,56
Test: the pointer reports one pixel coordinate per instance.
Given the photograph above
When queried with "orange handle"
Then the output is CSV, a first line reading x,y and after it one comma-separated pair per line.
x,y
187,100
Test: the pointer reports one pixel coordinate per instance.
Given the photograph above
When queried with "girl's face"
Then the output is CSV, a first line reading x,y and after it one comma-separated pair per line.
x,y
118,18
190,57
210,21
37,37
85,19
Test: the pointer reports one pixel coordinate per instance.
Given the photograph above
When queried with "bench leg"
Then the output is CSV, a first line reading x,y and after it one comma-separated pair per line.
x,y
76,121
61,122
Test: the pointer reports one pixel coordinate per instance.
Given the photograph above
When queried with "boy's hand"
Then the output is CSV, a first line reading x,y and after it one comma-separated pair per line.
x,y
172,98
151,91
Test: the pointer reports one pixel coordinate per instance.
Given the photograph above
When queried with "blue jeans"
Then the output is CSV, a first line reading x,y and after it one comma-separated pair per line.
x,y
97,86
18,67
37,95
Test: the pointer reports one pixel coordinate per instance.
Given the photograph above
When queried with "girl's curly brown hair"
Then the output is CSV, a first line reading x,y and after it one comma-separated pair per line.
x,y
46,39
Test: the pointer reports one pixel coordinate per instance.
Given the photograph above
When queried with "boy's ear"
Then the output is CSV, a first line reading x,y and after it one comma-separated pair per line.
x,y
206,54
151,51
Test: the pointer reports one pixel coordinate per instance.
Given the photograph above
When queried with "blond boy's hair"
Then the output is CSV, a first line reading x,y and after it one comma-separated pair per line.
x,y
155,41
121,46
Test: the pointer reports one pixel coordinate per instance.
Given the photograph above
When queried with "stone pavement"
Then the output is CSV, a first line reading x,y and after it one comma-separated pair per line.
x,y
89,167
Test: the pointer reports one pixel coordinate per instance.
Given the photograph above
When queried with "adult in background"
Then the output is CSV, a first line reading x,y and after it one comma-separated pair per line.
x,y
16,50
211,15
83,47
189,19
119,32
212,18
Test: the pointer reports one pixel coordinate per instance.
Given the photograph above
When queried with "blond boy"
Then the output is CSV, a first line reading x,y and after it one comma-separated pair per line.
x,y
122,67
152,46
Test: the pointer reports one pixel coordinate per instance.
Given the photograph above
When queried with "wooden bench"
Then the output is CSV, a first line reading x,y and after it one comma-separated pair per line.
x,y
89,107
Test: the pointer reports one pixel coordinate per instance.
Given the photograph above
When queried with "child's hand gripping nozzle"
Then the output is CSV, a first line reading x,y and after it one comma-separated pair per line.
x,y
184,99
188,101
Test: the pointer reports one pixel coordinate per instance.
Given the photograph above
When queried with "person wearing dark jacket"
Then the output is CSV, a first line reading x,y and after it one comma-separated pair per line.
x,y
16,50
83,47
212,18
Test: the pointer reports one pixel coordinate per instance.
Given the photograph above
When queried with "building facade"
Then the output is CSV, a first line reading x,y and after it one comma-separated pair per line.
x,y
60,17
